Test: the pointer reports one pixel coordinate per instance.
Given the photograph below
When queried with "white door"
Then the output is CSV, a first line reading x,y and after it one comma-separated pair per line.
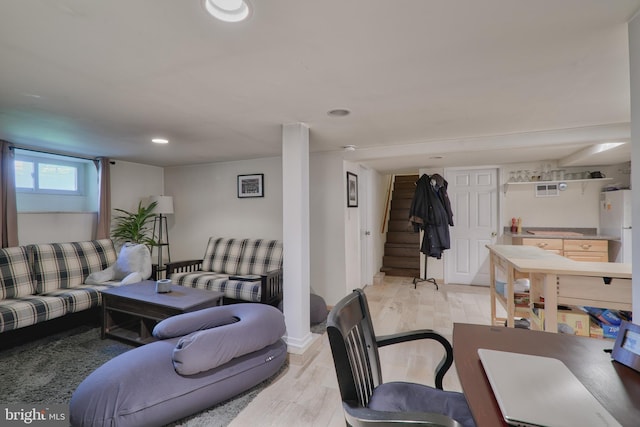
x,y
364,204
474,202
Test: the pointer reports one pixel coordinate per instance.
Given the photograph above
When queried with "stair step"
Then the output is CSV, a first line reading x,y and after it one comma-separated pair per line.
x,y
403,251
404,186
406,178
400,225
402,194
402,272
401,237
401,262
397,214
400,204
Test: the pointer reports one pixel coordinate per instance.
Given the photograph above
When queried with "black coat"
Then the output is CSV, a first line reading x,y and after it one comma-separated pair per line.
x,y
431,211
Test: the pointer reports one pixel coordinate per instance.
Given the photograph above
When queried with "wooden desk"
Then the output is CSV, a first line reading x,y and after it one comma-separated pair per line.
x,y
614,385
560,280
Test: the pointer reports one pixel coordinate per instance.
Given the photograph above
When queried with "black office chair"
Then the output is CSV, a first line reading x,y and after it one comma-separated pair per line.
x,y
366,400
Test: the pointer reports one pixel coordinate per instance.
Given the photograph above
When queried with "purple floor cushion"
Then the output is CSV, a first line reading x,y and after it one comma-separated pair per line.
x,y
144,387
410,397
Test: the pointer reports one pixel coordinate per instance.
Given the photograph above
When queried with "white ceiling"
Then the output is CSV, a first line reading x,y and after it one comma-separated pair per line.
x,y
473,82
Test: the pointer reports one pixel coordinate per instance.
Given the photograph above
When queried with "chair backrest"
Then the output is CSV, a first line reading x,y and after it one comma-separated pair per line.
x,y
354,348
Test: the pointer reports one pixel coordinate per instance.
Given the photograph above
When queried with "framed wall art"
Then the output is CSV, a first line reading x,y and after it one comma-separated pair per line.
x,y
352,190
251,185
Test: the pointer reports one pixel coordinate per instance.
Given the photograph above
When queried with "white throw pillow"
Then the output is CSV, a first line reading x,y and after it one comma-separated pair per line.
x,y
133,258
133,265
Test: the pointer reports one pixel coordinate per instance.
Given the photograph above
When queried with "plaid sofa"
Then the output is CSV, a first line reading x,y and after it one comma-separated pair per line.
x,y
245,270
44,281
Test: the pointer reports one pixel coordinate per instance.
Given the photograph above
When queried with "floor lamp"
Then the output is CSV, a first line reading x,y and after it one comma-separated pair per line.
x,y
164,207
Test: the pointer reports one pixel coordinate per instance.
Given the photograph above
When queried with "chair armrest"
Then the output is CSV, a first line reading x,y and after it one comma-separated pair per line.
x,y
447,359
271,287
358,416
183,266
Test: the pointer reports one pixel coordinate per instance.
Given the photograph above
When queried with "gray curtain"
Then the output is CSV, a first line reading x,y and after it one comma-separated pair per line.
x,y
103,225
8,210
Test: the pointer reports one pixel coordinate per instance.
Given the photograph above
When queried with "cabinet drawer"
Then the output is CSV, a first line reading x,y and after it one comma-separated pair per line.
x,y
586,246
593,291
587,256
547,244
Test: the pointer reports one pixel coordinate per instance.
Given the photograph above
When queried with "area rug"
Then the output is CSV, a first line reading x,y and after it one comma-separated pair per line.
x,y
50,369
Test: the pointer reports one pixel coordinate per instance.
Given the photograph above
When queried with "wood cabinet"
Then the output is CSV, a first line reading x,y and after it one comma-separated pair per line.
x,y
576,249
586,250
552,245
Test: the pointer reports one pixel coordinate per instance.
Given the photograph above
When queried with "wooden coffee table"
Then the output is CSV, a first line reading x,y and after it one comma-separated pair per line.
x,y
130,312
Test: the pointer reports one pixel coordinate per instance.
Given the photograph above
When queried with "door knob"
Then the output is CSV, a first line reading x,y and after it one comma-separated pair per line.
x,y
494,234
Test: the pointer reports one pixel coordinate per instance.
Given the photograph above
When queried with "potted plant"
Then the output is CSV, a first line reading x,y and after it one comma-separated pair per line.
x,y
134,226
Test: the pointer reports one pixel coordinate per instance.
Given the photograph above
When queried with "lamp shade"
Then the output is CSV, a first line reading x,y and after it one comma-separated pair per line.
x,y
164,204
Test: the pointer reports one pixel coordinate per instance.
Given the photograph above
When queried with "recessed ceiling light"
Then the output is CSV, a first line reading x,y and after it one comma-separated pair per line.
x,y
227,10
436,157
160,140
339,112
350,147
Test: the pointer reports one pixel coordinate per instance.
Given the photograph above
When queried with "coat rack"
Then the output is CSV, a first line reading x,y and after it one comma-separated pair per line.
x,y
425,278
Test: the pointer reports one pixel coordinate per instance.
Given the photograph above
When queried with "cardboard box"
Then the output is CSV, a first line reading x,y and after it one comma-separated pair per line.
x,y
571,320
595,330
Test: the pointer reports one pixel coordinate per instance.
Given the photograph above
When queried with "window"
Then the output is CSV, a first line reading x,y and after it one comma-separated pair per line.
x,y
48,175
54,183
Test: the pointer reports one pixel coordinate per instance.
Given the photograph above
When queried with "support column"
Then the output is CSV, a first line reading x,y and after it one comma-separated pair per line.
x,y
634,62
295,235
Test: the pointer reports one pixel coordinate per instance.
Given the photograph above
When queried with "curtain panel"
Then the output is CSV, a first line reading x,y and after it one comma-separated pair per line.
x,y
103,225
8,209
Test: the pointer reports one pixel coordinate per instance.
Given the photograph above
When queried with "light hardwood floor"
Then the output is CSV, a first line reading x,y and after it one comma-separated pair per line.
x,y
308,395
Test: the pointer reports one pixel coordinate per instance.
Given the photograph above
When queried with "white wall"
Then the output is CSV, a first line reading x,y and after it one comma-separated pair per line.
x,y
134,182
130,182
206,204
327,225
573,208
379,192
634,52
53,227
352,250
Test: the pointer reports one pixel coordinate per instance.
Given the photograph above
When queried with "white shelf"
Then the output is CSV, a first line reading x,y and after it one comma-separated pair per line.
x,y
583,182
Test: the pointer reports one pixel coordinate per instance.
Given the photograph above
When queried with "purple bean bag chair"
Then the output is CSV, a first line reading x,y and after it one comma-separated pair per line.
x,y
202,358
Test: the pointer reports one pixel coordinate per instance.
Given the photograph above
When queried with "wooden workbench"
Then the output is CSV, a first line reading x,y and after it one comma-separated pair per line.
x,y
559,279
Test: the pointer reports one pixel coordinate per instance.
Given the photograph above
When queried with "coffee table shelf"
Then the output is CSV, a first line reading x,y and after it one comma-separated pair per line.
x,y
130,312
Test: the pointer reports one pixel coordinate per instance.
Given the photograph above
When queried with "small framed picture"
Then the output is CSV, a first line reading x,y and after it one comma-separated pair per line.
x,y
626,350
352,190
251,185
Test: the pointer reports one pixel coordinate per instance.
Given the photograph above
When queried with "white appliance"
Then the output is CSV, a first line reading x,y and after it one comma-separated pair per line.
x,y
615,221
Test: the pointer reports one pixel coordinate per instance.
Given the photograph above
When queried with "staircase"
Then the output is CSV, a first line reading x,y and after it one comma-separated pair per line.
x,y
402,250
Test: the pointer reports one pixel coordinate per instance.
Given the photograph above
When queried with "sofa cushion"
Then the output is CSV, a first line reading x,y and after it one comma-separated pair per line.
x,y
235,289
67,265
29,310
260,256
81,297
258,326
223,255
16,278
